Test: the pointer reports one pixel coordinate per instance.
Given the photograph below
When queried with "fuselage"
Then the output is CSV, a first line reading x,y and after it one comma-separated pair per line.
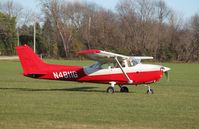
x,y
139,74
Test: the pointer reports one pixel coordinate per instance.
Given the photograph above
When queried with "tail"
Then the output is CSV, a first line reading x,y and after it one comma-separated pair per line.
x,y
30,62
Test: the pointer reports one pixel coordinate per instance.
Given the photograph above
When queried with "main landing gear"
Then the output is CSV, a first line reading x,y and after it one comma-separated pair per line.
x,y
111,88
125,89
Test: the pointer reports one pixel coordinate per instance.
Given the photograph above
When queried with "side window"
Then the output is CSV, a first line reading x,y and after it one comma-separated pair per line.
x,y
96,66
123,64
107,65
130,64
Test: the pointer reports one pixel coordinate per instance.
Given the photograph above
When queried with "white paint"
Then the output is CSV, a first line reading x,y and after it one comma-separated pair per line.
x,y
137,68
64,74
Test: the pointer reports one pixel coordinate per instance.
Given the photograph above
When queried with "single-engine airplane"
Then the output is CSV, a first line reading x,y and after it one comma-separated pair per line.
x,y
111,68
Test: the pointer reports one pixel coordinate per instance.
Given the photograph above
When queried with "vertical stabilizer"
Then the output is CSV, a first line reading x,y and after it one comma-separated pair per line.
x,y
30,62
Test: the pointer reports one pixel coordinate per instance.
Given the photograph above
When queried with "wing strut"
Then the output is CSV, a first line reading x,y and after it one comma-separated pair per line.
x,y
127,77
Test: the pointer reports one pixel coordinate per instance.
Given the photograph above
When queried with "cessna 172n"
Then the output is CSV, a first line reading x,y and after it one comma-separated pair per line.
x,y
111,68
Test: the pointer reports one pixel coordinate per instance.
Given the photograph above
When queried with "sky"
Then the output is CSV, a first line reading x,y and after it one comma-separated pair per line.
x,y
186,8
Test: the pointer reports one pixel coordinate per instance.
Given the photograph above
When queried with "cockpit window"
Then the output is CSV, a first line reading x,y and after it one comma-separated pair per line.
x,y
135,61
99,65
130,63
108,65
96,65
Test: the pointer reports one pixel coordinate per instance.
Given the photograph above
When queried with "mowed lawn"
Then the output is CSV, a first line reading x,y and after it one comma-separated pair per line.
x,y
27,103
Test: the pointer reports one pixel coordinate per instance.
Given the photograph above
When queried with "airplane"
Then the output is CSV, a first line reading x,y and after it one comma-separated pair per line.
x,y
110,68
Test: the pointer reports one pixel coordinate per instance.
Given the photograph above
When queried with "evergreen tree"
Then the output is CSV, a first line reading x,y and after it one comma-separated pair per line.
x,y
8,36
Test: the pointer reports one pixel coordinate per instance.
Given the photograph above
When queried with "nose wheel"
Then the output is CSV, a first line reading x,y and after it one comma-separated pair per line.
x,y
149,90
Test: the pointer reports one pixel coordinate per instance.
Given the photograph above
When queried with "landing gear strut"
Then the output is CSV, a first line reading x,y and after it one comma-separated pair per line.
x,y
149,90
111,88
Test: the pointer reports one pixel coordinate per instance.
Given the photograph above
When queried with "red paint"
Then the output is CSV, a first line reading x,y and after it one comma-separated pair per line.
x,y
141,78
89,51
32,64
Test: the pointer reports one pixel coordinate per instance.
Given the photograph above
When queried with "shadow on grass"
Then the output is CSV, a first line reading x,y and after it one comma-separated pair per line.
x,y
79,89
76,89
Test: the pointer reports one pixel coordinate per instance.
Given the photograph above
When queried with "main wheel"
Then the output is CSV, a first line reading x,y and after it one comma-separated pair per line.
x,y
150,91
110,89
124,89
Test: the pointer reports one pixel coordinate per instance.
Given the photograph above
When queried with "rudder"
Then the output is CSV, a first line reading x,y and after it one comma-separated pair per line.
x,y
30,62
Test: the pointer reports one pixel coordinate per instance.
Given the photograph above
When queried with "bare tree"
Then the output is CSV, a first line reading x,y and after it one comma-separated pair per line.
x,y
53,9
161,10
194,29
12,9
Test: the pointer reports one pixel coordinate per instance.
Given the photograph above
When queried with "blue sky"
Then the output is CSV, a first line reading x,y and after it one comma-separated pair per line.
x,y
186,8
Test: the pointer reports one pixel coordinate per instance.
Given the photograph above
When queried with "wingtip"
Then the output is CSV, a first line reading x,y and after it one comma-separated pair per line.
x,y
89,51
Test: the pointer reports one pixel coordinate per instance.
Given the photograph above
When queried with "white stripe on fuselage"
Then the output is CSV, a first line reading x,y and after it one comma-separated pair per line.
x,y
137,68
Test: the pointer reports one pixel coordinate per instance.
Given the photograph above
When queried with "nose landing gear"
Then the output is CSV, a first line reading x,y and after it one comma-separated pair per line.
x,y
149,90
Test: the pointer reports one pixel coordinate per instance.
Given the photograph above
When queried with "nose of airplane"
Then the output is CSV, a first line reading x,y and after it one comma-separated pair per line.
x,y
165,70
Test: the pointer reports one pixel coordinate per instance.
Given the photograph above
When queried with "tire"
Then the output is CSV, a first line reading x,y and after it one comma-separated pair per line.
x,y
151,91
124,89
110,89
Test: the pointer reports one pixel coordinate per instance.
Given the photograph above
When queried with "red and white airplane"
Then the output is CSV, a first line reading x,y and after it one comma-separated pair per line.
x,y
111,68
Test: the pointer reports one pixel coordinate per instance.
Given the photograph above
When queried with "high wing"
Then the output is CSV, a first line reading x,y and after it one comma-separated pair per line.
x,y
103,56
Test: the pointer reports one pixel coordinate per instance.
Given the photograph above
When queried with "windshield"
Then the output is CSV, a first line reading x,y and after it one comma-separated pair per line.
x,y
136,61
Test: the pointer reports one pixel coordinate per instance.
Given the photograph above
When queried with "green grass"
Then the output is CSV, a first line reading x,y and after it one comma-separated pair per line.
x,y
27,103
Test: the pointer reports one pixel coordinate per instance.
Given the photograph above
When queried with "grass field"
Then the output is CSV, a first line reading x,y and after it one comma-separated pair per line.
x,y
27,103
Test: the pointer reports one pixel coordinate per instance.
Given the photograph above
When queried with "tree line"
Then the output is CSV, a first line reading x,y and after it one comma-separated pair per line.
x,y
135,27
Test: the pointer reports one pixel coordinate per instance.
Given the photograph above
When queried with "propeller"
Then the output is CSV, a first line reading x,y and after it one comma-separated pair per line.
x,y
167,75
166,72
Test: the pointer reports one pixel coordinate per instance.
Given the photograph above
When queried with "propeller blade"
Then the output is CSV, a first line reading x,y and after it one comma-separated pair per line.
x,y
167,75
166,71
